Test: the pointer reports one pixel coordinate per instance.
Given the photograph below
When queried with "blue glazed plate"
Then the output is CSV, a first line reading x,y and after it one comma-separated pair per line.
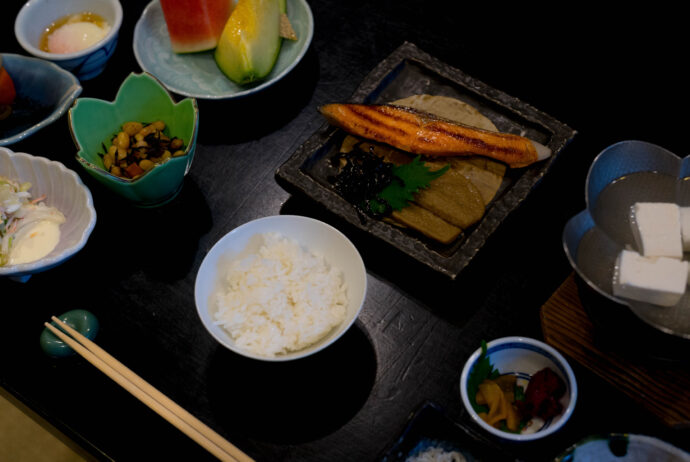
x,y
44,93
623,448
429,427
196,74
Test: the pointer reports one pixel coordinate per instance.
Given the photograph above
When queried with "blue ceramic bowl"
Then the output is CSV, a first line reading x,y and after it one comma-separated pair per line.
x,y
523,357
86,64
44,93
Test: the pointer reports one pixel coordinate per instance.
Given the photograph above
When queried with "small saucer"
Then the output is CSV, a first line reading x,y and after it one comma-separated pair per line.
x,y
197,74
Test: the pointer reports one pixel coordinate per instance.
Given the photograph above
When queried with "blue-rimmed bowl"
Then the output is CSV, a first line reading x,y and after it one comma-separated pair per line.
x,y
65,191
86,64
523,357
44,93
624,173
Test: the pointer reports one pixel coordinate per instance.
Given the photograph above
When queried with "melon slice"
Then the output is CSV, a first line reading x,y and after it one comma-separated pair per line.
x,y
250,43
195,25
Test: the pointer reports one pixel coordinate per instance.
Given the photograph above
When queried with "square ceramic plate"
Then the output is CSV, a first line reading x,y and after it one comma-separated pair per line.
x,y
408,71
429,427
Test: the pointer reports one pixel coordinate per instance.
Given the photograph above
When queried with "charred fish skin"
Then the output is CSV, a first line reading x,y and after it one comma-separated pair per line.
x,y
421,133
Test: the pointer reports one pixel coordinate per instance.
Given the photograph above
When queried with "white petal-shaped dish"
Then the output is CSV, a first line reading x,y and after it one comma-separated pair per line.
x,y
65,191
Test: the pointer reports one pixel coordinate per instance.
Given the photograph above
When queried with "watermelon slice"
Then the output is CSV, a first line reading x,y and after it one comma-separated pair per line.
x,y
195,25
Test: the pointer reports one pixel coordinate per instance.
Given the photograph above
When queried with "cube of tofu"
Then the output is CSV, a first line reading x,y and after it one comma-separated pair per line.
x,y
656,229
656,280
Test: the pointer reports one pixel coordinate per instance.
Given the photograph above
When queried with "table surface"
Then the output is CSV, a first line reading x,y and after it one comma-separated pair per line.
x,y
610,77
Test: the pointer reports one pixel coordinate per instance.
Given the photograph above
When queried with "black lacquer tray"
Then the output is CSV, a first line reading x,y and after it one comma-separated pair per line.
x,y
408,71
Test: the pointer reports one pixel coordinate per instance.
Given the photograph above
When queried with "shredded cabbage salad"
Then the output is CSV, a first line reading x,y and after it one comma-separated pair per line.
x,y
18,211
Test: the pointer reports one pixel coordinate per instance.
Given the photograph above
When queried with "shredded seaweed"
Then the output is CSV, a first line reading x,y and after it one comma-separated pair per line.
x,y
362,177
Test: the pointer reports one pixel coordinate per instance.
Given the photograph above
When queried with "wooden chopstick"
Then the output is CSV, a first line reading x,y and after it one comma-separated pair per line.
x,y
149,395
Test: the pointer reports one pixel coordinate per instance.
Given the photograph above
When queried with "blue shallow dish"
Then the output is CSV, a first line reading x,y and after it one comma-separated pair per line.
x,y
197,74
623,448
44,93
430,427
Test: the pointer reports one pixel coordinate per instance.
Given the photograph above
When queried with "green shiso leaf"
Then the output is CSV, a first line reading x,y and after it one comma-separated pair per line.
x,y
519,393
408,180
482,370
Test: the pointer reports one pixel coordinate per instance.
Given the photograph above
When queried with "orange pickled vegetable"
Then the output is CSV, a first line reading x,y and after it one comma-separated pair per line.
x,y
134,170
490,394
501,408
507,384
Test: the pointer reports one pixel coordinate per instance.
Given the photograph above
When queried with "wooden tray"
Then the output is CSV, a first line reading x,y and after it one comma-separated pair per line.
x,y
661,390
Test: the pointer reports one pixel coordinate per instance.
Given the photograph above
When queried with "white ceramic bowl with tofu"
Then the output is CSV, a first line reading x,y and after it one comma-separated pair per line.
x,y
633,191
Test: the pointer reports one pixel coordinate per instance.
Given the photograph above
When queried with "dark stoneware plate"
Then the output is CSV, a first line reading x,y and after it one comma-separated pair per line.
x,y
408,71
429,429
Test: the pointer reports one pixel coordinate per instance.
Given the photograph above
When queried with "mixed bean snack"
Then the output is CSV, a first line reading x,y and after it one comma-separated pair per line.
x,y
137,148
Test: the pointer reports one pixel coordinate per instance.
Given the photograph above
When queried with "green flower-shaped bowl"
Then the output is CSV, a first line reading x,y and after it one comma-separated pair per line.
x,y
141,98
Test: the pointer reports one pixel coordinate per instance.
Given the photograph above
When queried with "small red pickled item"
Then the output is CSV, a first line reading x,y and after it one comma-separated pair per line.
x,y
7,90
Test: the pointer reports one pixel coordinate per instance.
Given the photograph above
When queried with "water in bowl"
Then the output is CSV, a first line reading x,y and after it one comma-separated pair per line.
x,y
612,209
600,246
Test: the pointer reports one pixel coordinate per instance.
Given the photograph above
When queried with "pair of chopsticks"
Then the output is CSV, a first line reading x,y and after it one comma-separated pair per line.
x,y
147,394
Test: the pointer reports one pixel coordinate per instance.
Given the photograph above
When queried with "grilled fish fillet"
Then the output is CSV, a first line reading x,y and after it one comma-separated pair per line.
x,y
422,133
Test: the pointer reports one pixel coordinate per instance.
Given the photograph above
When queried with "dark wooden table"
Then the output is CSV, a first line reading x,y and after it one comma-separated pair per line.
x,y
610,77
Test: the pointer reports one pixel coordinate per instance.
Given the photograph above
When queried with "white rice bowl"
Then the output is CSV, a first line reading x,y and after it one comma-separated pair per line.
x,y
280,288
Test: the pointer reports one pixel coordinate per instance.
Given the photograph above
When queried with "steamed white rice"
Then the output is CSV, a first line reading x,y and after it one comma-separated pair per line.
x,y
434,454
282,299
